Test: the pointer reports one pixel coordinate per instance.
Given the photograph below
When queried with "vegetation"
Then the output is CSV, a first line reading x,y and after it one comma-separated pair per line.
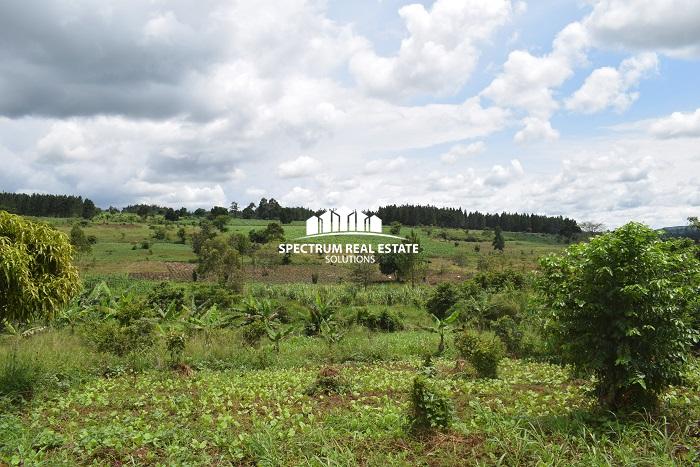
x,y
249,369
621,309
37,277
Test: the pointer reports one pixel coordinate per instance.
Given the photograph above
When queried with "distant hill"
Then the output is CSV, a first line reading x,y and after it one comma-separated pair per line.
x,y
682,231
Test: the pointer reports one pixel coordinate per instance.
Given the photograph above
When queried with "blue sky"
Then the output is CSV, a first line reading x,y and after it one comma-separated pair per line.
x,y
589,109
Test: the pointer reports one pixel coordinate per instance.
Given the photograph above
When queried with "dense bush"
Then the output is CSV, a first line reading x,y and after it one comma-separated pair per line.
x,y
443,297
387,320
620,309
482,349
431,404
36,274
111,336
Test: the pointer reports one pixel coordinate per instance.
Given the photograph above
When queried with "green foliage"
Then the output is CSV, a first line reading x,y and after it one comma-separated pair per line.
x,y
220,222
499,243
328,381
36,274
431,405
19,378
395,228
79,240
220,260
175,345
620,309
441,327
321,310
442,298
273,231
386,320
482,349
111,336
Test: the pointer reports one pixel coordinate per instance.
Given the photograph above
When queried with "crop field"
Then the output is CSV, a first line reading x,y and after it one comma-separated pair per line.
x,y
302,363
120,249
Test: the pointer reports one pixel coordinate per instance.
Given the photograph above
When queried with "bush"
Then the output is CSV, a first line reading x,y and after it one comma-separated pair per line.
x,y
431,404
443,297
254,332
121,339
620,308
483,349
386,320
36,274
19,378
327,382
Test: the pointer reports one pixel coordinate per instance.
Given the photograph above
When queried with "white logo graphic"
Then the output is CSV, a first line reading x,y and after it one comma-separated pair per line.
x,y
344,222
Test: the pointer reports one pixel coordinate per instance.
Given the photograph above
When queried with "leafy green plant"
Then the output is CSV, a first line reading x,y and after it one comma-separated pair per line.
x,y
277,334
441,327
175,345
328,381
431,404
482,349
620,309
321,310
386,320
443,297
37,277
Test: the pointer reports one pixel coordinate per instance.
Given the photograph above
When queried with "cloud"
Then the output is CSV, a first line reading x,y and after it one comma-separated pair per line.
x,y
501,176
535,129
667,26
439,53
527,82
462,150
676,125
380,165
609,87
302,166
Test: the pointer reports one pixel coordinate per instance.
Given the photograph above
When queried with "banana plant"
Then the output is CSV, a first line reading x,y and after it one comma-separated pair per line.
x,y
321,310
277,334
441,327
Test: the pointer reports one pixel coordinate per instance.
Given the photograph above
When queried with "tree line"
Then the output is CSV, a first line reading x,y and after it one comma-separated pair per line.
x,y
461,219
44,205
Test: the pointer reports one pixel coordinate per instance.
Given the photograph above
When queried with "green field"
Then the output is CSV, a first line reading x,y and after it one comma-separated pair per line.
x,y
148,367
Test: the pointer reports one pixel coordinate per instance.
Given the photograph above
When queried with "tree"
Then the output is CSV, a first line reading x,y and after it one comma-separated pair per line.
x,y
442,298
395,228
182,235
409,265
362,273
89,209
387,263
499,242
219,259
233,210
79,240
591,227
36,274
694,221
220,222
620,309
205,233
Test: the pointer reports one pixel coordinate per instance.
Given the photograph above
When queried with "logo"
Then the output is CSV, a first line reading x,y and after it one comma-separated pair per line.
x,y
344,222
339,222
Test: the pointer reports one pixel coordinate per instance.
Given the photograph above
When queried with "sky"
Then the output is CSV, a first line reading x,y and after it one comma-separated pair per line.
x,y
583,108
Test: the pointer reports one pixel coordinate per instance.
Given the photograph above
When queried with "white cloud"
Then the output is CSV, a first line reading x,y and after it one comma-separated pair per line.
x,y
440,52
462,150
299,196
677,125
610,87
535,129
302,166
527,82
501,176
380,165
667,26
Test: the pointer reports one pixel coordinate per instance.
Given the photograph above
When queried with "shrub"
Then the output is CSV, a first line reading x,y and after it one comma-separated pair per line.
x,y
431,404
483,349
36,274
110,336
386,320
175,345
254,332
314,278
443,297
328,381
620,310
